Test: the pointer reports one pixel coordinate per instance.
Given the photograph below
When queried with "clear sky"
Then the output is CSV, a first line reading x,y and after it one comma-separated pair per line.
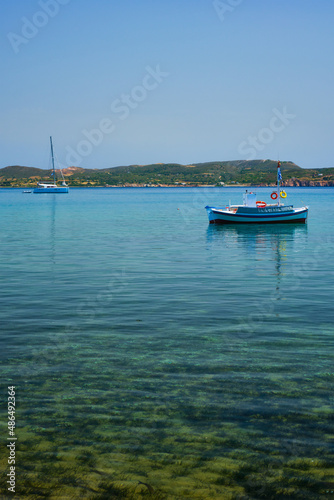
x,y
155,81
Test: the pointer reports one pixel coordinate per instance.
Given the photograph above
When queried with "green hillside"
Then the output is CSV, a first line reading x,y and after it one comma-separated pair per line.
x,y
18,172
248,172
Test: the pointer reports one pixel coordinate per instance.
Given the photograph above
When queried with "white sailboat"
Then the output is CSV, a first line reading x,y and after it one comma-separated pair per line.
x,y
52,188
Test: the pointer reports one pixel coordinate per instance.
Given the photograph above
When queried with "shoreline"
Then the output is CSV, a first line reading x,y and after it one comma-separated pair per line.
x,y
182,186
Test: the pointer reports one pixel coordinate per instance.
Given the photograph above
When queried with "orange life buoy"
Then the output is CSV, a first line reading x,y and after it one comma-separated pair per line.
x,y
261,204
274,195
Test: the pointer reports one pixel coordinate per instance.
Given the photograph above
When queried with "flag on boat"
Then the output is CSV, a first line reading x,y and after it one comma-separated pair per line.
x,y
279,175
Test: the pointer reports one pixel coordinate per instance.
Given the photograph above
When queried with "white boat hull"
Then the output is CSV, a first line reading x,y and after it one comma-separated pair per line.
x,y
57,189
257,215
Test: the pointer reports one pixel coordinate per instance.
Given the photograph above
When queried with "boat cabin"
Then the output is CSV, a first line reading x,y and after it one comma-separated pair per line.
x,y
249,199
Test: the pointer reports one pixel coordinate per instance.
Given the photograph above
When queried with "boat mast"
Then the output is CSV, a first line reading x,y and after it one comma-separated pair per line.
x,y
53,162
278,183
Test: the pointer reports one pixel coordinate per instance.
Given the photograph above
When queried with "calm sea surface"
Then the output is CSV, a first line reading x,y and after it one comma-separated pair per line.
x,y
147,346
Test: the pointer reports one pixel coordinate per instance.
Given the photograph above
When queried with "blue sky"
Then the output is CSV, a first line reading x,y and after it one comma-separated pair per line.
x,y
152,81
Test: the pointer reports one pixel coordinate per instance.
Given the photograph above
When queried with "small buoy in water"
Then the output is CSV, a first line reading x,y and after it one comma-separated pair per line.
x,y
178,209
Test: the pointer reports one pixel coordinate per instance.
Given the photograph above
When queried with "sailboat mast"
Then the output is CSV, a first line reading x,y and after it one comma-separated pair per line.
x,y
53,162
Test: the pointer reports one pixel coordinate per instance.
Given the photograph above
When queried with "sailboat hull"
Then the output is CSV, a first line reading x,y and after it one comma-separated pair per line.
x,y
51,190
49,187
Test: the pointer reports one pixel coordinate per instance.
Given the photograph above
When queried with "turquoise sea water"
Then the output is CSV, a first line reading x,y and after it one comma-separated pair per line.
x,y
147,346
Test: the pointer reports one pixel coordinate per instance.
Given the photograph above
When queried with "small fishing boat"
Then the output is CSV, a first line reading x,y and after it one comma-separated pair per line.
x,y
52,188
253,211
26,191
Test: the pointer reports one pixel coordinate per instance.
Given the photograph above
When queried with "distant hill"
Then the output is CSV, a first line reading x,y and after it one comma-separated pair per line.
x,y
18,172
246,172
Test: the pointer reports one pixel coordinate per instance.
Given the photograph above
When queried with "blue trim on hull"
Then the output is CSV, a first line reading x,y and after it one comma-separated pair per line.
x,y
260,216
50,190
219,217
287,221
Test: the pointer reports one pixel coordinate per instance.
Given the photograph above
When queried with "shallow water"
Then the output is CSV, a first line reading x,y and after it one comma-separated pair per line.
x,y
147,346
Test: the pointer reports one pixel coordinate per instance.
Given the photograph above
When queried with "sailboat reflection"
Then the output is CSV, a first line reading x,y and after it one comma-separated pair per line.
x,y
52,228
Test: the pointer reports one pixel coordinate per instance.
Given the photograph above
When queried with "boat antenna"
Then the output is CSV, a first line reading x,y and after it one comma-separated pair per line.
x,y
53,162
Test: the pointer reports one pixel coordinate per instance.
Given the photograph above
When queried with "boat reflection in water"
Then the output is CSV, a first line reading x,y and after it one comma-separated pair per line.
x,y
258,283
261,251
